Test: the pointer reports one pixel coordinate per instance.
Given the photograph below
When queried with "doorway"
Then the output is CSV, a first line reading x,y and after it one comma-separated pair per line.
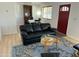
x,y
64,11
27,9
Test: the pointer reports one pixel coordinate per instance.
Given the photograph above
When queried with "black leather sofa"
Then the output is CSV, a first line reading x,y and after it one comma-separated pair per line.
x,y
31,33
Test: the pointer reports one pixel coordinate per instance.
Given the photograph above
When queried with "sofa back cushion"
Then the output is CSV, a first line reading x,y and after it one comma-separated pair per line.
x,y
36,27
45,26
22,28
28,27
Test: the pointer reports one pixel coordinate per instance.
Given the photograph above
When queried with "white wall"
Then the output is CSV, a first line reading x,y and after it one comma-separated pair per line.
x,y
35,9
73,18
0,34
73,29
11,15
19,12
7,18
54,19
73,25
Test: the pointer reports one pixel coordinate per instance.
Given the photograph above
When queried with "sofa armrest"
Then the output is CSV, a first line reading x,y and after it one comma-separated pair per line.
x,y
53,29
24,34
76,46
22,28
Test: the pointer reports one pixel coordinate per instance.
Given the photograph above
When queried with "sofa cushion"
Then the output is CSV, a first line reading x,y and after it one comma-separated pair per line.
x,y
36,27
29,28
48,32
22,28
45,26
34,35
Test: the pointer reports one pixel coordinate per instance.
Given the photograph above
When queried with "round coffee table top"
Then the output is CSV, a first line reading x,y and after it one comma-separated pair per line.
x,y
49,40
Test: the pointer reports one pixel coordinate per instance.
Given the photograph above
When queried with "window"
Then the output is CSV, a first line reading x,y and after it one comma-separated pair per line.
x,y
47,12
65,8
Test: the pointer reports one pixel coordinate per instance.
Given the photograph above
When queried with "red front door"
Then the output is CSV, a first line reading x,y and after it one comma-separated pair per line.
x,y
63,18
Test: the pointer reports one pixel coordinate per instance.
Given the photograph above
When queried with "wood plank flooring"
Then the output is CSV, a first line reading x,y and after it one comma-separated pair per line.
x,y
8,41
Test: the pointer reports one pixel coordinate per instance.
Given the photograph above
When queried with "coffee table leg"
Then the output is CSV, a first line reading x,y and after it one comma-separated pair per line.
x,y
46,49
56,46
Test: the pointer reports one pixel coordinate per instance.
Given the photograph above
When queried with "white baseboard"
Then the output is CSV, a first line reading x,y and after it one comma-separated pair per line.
x,y
10,33
0,36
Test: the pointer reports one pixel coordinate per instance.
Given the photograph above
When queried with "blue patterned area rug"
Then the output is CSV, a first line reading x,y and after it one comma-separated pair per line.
x,y
65,49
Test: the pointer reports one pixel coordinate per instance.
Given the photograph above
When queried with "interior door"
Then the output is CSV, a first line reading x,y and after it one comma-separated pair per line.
x,y
63,18
27,12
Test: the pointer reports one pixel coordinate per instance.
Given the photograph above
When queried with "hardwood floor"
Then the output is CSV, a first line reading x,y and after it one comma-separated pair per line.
x,y
8,41
74,41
